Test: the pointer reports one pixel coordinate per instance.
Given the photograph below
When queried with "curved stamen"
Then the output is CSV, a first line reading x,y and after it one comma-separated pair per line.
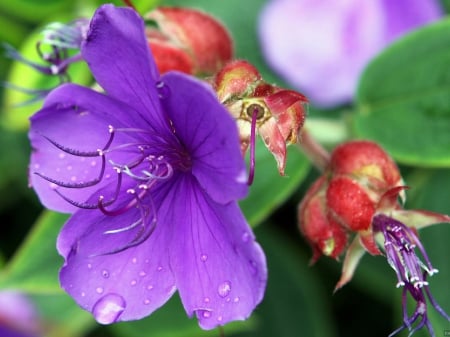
x,y
79,153
77,185
144,233
86,205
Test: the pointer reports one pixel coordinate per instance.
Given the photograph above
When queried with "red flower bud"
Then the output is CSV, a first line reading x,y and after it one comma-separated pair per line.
x,y
196,42
325,236
278,114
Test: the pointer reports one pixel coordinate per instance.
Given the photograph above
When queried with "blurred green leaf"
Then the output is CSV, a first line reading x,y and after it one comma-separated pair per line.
x,y
295,304
61,317
269,190
34,10
403,99
34,268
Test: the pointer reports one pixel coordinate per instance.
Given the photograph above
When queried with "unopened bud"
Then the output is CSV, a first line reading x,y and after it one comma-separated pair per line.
x,y
188,40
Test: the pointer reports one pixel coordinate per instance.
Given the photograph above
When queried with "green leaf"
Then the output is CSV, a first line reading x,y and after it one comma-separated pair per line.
x,y
269,190
403,98
34,10
61,316
295,304
34,268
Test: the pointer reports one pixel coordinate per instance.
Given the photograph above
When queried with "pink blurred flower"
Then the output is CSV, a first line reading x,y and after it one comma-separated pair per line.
x,y
321,46
18,316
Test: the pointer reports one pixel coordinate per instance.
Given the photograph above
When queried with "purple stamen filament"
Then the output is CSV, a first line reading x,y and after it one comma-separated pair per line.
x,y
156,169
252,146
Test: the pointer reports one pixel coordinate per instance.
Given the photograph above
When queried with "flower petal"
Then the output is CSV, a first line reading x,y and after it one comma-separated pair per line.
x,y
77,119
118,54
220,270
354,254
209,134
124,285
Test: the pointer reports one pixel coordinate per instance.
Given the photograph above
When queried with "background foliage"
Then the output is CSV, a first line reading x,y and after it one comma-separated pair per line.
x,y
403,102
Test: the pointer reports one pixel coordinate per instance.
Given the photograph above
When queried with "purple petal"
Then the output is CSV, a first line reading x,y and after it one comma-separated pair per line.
x,y
321,47
78,119
125,285
209,134
404,15
220,270
118,55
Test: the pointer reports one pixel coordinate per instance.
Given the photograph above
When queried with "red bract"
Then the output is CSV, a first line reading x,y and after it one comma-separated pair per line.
x,y
278,114
187,40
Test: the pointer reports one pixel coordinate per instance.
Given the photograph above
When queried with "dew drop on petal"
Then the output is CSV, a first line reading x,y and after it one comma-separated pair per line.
x,y
149,287
133,282
89,266
134,260
108,309
220,318
206,299
236,299
142,273
147,301
105,273
159,268
99,290
245,237
224,289
163,90
204,257
204,313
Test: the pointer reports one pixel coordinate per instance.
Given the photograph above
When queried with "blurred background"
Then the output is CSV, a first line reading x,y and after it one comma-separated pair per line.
x,y
299,300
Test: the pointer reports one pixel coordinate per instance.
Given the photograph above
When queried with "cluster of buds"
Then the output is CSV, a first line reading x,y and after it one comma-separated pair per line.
x,y
357,199
276,114
187,40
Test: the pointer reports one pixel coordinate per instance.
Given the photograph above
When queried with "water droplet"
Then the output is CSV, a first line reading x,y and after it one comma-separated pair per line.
x,y
147,301
204,257
133,282
89,266
204,313
134,260
62,155
163,90
73,178
149,287
224,289
228,300
236,299
83,294
108,309
99,290
206,300
245,237
159,268
220,318
253,267
142,273
105,273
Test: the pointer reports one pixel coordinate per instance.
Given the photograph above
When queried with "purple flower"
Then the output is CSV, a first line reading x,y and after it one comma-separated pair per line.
x,y
400,242
18,316
321,47
151,171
